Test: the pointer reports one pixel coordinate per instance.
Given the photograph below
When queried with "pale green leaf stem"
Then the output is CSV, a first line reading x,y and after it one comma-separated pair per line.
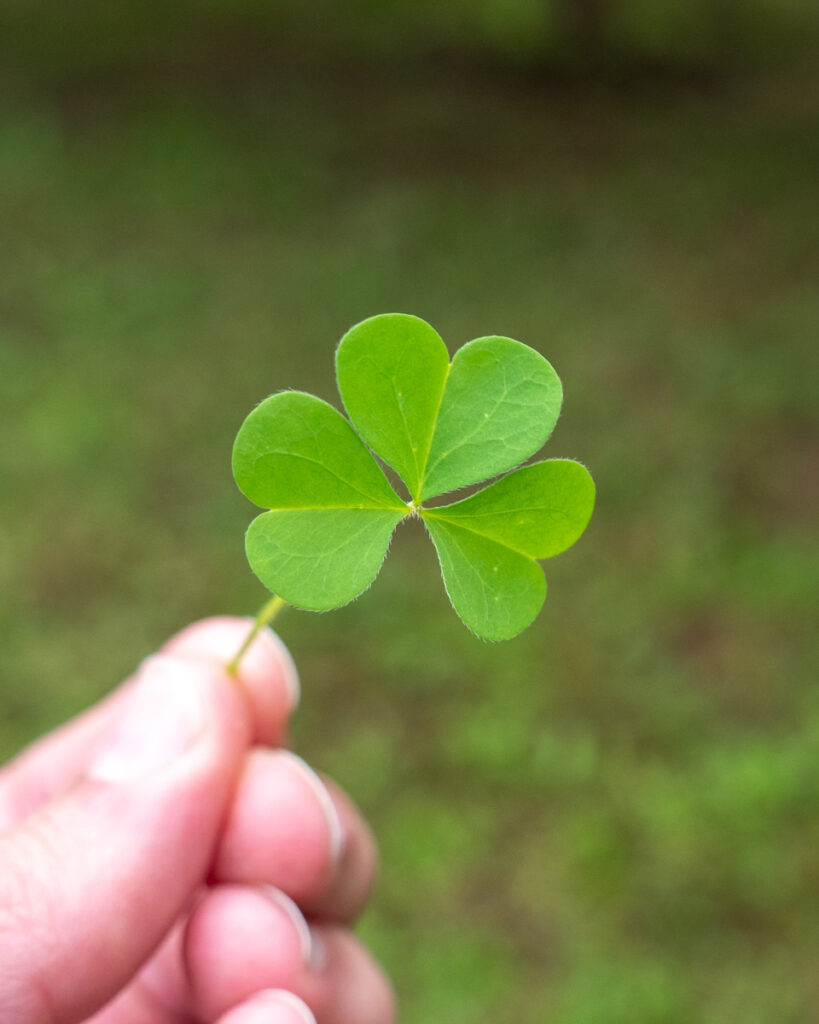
x,y
265,616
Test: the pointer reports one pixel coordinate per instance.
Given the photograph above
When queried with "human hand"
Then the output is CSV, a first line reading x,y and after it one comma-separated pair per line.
x,y
164,861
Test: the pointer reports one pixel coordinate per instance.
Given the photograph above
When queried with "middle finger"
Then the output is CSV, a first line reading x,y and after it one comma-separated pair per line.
x,y
289,828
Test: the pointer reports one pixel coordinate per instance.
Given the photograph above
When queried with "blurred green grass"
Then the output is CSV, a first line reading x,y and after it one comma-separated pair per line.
x,y
615,817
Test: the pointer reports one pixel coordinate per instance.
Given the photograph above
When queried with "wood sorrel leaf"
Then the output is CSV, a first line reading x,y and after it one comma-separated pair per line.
x,y
391,372
295,451
332,509
487,544
496,591
441,426
501,402
320,558
538,510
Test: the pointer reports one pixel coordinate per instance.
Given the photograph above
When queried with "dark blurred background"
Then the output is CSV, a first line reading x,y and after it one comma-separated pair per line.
x,y
614,818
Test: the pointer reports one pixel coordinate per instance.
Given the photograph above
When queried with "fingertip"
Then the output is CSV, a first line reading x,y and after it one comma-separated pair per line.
x,y
241,940
267,672
270,946
273,1006
267,637
282,829
336,831
352,988
357,870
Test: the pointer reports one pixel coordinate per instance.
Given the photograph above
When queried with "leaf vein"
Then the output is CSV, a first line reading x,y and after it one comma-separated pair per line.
x,y
315,462
478,533
425,471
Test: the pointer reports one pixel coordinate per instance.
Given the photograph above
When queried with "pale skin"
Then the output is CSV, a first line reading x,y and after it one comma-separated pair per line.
x,y
164,859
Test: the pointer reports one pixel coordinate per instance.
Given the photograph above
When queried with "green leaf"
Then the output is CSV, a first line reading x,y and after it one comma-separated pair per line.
x,y
501,402
444,426
538,510
320,558
332,509
295,451
441,426
496,591
391,372
487,544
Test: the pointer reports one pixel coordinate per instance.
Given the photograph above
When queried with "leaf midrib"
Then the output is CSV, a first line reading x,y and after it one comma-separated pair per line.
x,y
476,429
404,509
422,476
478,533
507,511
321,465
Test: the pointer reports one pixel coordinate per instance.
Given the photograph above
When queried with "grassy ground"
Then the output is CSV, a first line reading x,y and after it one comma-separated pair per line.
x,y
616,817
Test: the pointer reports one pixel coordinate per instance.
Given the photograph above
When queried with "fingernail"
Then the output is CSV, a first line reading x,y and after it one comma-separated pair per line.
x,y
162,719
335,829
287,906
318,958
282,998
288,666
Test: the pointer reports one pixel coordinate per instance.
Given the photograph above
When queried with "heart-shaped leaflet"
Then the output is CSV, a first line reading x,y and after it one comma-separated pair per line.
x,y
332,510
444,425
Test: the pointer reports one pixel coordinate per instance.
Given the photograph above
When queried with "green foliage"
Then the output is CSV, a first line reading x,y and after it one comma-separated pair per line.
x,y
441,426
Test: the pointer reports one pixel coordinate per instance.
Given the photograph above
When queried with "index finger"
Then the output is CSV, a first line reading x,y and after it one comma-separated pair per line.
x,y
267,676
266,672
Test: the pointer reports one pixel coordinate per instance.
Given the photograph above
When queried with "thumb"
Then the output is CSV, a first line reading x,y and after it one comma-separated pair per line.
x,y
91,883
